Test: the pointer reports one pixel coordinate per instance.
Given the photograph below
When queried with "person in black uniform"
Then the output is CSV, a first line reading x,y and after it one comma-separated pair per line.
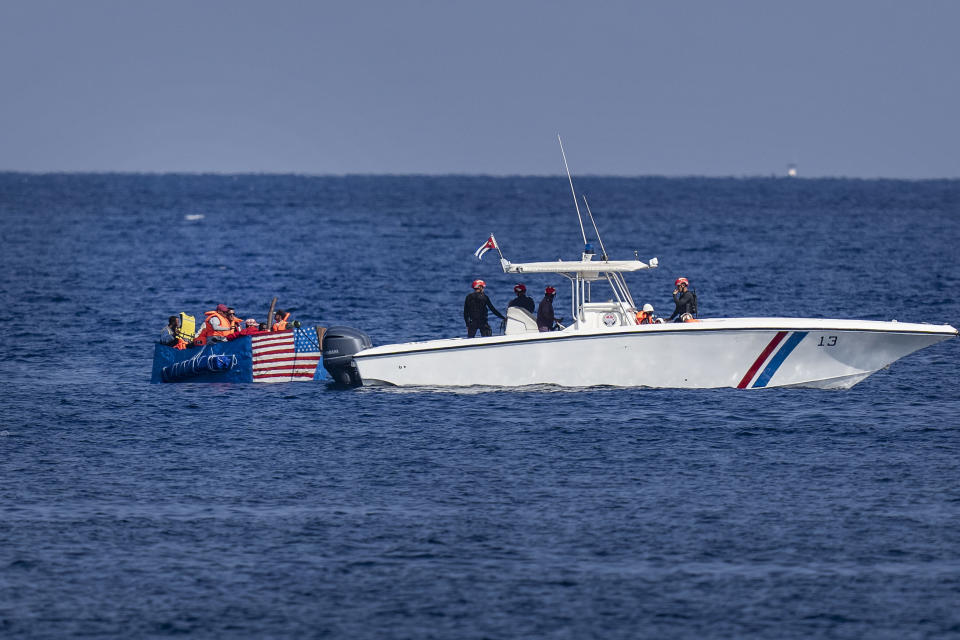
x,y
522,300
545,317
475,311
685,301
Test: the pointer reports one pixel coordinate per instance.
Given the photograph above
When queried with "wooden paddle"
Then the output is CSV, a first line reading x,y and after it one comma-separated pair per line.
x,y
270,314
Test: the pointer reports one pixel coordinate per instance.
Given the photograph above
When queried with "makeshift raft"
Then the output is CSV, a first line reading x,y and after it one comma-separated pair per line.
x,y
281,356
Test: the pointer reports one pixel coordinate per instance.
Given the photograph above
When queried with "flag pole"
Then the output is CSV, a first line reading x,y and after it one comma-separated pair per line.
x,y
496,245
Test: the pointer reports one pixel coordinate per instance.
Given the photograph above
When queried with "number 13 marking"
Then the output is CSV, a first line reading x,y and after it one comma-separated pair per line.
x,y
827,341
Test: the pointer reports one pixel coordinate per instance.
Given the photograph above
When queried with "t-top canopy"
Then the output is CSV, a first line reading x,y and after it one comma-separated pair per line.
x,y
578,266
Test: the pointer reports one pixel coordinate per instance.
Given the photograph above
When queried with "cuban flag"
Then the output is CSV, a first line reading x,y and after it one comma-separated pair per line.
x,y
491,243
285,356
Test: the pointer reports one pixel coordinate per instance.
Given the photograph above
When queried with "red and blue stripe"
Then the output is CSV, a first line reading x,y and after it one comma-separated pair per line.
x,y
779,355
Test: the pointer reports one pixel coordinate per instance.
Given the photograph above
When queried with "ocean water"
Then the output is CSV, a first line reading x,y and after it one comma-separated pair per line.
x,y
296,510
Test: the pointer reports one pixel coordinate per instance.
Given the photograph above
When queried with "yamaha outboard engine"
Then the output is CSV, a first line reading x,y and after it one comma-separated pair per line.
x,y
339,345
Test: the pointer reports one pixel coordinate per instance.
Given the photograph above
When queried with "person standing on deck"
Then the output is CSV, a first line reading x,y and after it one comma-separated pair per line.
x,y
545,316
475,311
685,301
522,300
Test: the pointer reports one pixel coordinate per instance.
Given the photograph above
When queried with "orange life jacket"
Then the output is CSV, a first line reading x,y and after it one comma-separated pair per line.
x,y
644,318
281,325
208,329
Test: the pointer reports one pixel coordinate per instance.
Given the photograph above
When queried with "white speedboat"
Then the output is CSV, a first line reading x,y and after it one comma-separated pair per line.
x,y
603,345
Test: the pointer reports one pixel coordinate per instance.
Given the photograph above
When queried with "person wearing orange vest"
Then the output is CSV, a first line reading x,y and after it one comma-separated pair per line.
x,y
216,324
172,336
280,320
646,316
235,323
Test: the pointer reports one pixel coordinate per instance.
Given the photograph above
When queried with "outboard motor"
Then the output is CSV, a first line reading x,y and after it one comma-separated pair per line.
x,y
339,345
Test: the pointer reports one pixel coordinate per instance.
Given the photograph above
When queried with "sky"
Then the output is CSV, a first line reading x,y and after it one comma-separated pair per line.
x,y
857,88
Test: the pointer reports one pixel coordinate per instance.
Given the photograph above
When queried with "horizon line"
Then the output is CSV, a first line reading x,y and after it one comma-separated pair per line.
x,y
227,174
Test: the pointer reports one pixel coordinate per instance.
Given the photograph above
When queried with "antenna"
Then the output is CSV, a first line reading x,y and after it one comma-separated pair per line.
x,y
567,167
603,249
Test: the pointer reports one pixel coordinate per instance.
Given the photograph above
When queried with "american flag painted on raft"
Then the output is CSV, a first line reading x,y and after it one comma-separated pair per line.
x,y
285,356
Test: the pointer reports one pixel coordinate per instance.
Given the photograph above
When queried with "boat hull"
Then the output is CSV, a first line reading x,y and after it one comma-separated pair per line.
x,y
739,353
284,356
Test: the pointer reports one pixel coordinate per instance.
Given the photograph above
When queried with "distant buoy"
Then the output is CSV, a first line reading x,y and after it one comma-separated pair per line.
x,y
791,171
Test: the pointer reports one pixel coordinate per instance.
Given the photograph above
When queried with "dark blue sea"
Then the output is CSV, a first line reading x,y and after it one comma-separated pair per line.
x,y
297,510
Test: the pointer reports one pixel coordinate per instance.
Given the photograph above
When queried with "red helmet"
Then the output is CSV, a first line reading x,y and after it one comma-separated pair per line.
x,y
520,287
550,290
478,283
681,281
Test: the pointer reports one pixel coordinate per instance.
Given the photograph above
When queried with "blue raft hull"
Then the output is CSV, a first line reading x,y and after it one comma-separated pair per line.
x,y
230,361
